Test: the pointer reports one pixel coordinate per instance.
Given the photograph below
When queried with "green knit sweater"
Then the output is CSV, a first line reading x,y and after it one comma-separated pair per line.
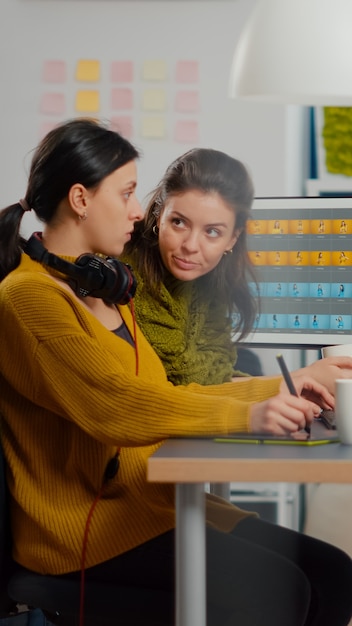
x,y
69,396
191,335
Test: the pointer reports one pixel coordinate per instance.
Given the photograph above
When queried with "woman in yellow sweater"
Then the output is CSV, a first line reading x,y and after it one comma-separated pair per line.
x,y
85,401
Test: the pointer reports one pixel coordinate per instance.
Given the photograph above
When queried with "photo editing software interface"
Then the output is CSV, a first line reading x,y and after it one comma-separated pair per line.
x,y
302,252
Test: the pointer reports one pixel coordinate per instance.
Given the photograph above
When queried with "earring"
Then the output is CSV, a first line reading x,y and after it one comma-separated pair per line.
x,y
83,217
227,252
155,230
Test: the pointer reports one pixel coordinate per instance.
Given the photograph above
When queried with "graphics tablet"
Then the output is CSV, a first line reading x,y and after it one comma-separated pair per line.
x,y
296,439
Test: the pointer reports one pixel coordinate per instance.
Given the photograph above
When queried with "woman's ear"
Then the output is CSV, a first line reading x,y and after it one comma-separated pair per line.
x,y
159,215
77,197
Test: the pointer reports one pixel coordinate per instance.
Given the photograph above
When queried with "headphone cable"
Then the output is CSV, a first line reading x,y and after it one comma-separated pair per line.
x,y
84,552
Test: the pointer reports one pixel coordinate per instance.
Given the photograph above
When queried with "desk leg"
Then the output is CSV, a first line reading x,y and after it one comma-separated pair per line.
x,y
190,555
223,490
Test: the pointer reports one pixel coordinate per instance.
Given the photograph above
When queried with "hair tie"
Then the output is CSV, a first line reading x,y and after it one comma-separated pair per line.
x,y
24,204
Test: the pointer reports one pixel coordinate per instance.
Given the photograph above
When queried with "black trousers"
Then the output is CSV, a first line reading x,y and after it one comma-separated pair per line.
x,y
261,574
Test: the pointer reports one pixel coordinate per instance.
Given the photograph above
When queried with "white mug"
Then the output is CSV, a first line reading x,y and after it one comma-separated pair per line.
x,y
343,349
343,409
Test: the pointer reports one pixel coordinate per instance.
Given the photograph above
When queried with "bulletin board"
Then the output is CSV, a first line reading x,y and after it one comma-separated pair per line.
x,y
142,99
156,71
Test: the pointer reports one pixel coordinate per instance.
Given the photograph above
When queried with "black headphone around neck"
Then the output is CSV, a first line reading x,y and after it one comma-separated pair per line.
x,y
90,275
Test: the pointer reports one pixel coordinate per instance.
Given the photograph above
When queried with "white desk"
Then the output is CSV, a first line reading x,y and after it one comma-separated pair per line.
x,y
191,463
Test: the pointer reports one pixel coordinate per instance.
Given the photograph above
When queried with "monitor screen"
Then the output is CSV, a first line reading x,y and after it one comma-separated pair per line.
x,y
302,251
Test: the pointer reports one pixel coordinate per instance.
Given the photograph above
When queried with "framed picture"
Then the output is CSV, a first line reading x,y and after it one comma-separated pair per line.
x,y
333,141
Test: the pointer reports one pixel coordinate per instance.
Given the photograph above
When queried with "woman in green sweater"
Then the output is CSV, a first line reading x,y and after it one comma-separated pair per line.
x,y
189,254
85,401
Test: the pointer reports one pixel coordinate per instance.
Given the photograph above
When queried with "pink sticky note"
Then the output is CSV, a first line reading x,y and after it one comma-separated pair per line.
x,y
187,101
53,104
122,124
186,131
122,71
121,99
187,72
45,128
54,71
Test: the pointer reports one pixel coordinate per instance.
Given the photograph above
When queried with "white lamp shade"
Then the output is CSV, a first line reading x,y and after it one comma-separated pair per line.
x,y
295,52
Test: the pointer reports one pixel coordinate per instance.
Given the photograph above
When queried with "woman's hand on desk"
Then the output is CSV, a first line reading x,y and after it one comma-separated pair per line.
x,y
282,414
327,370
286,413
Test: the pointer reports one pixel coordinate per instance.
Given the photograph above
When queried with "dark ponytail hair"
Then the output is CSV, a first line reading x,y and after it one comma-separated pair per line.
x,y
79,151
208,171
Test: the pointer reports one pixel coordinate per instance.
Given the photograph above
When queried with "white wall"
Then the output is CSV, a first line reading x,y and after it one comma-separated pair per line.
x,y
265,136
268,138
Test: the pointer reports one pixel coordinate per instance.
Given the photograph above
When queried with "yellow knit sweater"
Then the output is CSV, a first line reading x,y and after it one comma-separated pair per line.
x,y
69,396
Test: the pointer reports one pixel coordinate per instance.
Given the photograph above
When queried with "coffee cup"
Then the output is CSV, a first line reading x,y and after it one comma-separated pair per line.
x,y
343,409
342,349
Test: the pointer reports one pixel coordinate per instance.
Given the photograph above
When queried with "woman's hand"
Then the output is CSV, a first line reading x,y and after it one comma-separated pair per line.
x,y
310,389
286,413
327,370
282,414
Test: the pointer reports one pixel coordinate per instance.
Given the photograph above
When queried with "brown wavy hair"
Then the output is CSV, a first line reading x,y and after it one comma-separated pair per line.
x,y
208,171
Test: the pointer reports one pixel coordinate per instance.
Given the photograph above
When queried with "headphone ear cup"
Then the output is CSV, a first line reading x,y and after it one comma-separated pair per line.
x,y
90,275
125,283
116,282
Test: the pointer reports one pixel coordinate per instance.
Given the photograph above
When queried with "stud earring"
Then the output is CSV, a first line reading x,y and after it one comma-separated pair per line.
x,y
227,252
83,217
155,230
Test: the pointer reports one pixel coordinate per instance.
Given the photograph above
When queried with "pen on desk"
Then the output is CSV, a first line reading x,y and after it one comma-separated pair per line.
x,y
289,382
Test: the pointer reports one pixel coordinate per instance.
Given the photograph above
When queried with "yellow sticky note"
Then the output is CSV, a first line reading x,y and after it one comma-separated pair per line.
x,y
154,70
153,127
88,71
87,101
154,100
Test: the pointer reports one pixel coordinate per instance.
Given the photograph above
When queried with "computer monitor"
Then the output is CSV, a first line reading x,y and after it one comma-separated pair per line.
x,y
302,250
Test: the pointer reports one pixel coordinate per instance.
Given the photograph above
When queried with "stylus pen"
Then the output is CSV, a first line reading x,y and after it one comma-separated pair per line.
x,y
289,382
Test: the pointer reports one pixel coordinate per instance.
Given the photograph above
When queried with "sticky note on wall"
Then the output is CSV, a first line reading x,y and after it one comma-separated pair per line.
x,y
122,71
88,71
52,104
154,100
87,101
187,131
187,101
121,99
123,124
45,128
154,70
54,71
153,127
187,72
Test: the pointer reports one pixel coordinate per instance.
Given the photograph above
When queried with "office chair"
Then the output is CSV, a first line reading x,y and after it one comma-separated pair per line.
x,y
248,362
59,598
